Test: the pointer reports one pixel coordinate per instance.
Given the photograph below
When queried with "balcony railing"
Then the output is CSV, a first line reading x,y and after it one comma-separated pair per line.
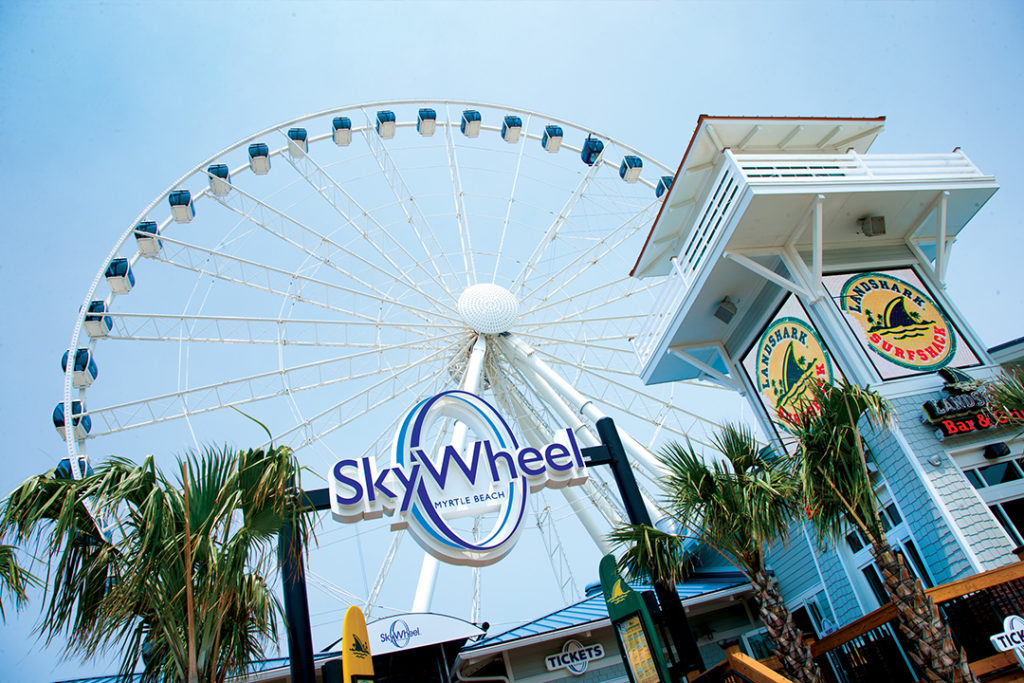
x,y
767,170
872,649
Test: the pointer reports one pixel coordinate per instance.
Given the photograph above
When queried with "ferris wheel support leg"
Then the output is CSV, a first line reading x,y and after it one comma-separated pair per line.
x,y
471,381
537,432
581,403
587,438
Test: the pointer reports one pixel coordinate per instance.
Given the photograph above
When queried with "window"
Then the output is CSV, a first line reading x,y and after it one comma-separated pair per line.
x,y
994,475
876,584
1010,514
758,645
1001,485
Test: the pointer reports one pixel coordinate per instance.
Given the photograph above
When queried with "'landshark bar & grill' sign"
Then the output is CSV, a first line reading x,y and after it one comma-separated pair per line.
x,y
965,408
426,493
900,322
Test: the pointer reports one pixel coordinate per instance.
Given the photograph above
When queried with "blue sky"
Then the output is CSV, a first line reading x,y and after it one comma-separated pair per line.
x,y
103,105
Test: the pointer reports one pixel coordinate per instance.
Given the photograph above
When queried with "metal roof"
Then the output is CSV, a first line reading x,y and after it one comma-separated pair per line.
x,y
593,609
257,667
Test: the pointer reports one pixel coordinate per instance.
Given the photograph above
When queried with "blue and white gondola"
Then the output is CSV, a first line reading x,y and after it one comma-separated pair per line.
x,y
119,276
297,144
511,127
147,238
386,124
95,323
664,185
630,168
426,122
259,158
591,152
63,469
182,208
85,370
551,141
342,130
82,424
470,125
220,179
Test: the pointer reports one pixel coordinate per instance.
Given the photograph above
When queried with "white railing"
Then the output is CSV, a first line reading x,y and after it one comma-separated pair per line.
x,y
740,170
712,218
789,168
670,297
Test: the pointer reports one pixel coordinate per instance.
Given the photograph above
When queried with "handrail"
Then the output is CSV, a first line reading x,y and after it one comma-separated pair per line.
x,y
788,168
938,594
754,670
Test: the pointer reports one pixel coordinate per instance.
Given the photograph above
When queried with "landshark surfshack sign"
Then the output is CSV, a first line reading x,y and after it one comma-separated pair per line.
x,y
901,323
428,491
791,360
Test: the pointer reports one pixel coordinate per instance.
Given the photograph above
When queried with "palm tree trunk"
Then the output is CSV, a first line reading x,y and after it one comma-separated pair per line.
x,y
931,646
793,653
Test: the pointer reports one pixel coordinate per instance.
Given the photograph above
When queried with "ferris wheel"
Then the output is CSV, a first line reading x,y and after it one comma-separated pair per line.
x,y
326,274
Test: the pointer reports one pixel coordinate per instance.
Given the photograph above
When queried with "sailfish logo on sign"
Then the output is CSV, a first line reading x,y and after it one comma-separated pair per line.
x,y
896,321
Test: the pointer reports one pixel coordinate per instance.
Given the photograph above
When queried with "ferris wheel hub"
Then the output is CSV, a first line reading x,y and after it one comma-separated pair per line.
x,y
488,308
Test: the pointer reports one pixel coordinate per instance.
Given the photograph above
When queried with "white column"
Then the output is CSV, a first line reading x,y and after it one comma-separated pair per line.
x,y
581,403
471,381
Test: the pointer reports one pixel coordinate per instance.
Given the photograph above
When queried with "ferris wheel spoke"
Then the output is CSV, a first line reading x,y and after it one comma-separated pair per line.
x,y
627,322
312,242
361,219
255,330
512,192
593,343
605,245
636,396
241,391
602,302
405,197
460,203
392,386
552,232
266,278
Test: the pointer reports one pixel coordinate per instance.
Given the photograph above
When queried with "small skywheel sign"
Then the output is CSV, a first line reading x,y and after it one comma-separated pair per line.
x,y
428,489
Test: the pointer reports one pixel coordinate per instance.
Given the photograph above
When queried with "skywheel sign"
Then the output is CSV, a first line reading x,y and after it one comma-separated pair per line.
x,y
435,491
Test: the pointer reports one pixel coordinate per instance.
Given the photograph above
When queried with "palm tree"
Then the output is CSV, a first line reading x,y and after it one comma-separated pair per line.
x,y
839,493
14,579
176,570
742,504
1006,394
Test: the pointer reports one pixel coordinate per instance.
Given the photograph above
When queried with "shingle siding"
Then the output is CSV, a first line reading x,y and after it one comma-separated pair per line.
x,y
943,551
793,565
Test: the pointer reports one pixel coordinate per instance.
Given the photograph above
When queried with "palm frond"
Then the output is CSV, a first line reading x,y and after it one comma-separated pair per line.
x,y
14,579
836,483
649,554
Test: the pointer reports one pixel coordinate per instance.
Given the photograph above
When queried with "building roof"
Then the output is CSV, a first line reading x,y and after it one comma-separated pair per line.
x,y
742,135
258,667
1009,352
592,610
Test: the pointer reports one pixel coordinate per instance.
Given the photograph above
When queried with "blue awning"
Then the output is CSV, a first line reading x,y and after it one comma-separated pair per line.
x,y
593,609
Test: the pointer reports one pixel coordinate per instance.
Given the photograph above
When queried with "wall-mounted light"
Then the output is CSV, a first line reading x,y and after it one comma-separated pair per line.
x,y
725,310
996,450
872,225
